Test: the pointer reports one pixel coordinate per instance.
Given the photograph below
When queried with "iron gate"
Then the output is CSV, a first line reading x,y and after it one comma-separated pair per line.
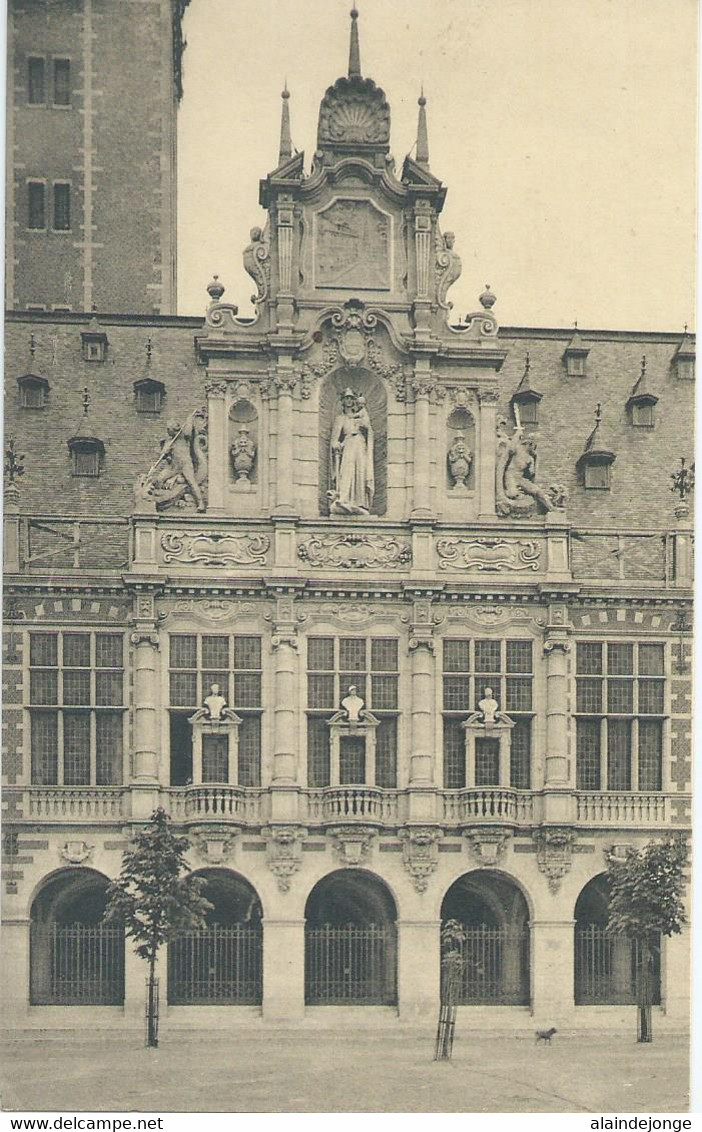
x,y
352,964
77,965
495,967
216,966
606,967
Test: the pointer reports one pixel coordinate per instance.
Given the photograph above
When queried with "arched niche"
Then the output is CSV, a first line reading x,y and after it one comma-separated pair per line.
x,y
460,471
366,385
243,445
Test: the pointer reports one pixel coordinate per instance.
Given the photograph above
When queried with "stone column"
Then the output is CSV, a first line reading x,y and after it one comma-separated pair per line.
x,y
285,707
146,745
422,750
284,381
552,962
486,465
682,543
422,385
556,649
418,969
283,970
217,455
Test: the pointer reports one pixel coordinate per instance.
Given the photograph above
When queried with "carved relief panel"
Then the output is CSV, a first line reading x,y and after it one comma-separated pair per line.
x,y
353,241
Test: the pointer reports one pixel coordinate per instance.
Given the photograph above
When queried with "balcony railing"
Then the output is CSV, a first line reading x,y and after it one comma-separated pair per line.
x,y
623,809
485,804
216,803
353,803
75,803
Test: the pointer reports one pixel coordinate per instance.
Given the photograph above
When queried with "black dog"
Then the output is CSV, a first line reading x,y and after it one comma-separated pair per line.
x,y
545,1035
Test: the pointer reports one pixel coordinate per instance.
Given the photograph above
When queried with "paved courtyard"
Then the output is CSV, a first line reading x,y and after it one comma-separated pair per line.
x,y
388,1071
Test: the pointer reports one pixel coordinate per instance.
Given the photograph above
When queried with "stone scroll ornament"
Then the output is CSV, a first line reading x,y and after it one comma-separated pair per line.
x,y
355,552
448,267
257,263
178,478
516,490
216,549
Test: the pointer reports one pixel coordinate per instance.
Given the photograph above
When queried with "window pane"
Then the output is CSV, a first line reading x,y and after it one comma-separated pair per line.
x,y
36,84
487,762
620,660
35,205
352,654
108,688
588,754
320,654
247,690
43,649
456,693
651,697
620,695
386,754
317,752
650,754
181,736
456,656
86,462
76,748
618,754
651,660
487,656
215,652
43,687
108,754
454,755
62,208
518,693
320,691
247,652
183,689
519,656
76,650
215,758
183,651
589,658
520,755
589,695
384,656
250,751
352,759
44,748
76,688
62,82
108,650
384,693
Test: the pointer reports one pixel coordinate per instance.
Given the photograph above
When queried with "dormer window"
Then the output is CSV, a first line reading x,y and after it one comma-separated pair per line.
x,y
34,391
575,356
94,342
642,402
149,395
595,465
684,359
597,474
526,399
87,454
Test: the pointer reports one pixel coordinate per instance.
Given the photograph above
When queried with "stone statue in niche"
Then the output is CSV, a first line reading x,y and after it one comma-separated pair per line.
x,y
353,705
516,490
448,267
352,476
257,263
243,454
178,478
460,459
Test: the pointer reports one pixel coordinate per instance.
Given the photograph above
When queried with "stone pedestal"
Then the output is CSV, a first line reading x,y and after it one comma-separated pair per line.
x,y
552,966
283,970
15,971
418,969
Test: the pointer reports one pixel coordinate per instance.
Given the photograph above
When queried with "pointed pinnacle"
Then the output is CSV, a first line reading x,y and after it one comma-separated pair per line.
x,y
285,148
354,47
422,132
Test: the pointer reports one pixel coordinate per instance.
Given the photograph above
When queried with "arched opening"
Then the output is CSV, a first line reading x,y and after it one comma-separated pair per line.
x,y
75,958
494,916
607,965
222,963
350,941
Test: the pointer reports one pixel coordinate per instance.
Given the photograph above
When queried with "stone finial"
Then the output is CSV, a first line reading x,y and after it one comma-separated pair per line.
x,y
487,299
215,289
354,47
285,149
422,151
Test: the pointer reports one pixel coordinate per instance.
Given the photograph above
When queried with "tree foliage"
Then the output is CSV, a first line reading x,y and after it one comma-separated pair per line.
x,y
151,896
646,889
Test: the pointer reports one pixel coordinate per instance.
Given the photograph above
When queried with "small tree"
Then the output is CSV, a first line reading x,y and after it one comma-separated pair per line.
x,y
453,938
646,902
154,901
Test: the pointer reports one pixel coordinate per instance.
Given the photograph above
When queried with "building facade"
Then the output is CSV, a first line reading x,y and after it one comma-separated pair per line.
x,y
394,622
92,96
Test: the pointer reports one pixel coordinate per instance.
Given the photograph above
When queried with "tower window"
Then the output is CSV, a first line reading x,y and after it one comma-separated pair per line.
x,y
36,81
86,455
62,82
62,206
33,391
36,204
149,396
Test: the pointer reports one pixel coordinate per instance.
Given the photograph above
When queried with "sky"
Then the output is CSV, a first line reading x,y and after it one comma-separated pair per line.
x,y
565,131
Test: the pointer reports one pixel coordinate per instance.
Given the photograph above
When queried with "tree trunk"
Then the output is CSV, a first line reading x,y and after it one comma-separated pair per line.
x,y
152,1005
644,992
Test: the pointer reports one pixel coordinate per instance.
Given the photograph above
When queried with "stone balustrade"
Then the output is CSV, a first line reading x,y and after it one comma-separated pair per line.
x,y
216,803
622,808
353,803
488,804
75,803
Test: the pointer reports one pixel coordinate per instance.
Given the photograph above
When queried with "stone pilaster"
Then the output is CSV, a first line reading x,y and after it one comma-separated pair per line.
x,y
422,385
217,458
146,746
486,464
284,381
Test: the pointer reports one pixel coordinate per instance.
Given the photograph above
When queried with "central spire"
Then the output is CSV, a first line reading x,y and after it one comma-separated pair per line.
x,y
354,47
